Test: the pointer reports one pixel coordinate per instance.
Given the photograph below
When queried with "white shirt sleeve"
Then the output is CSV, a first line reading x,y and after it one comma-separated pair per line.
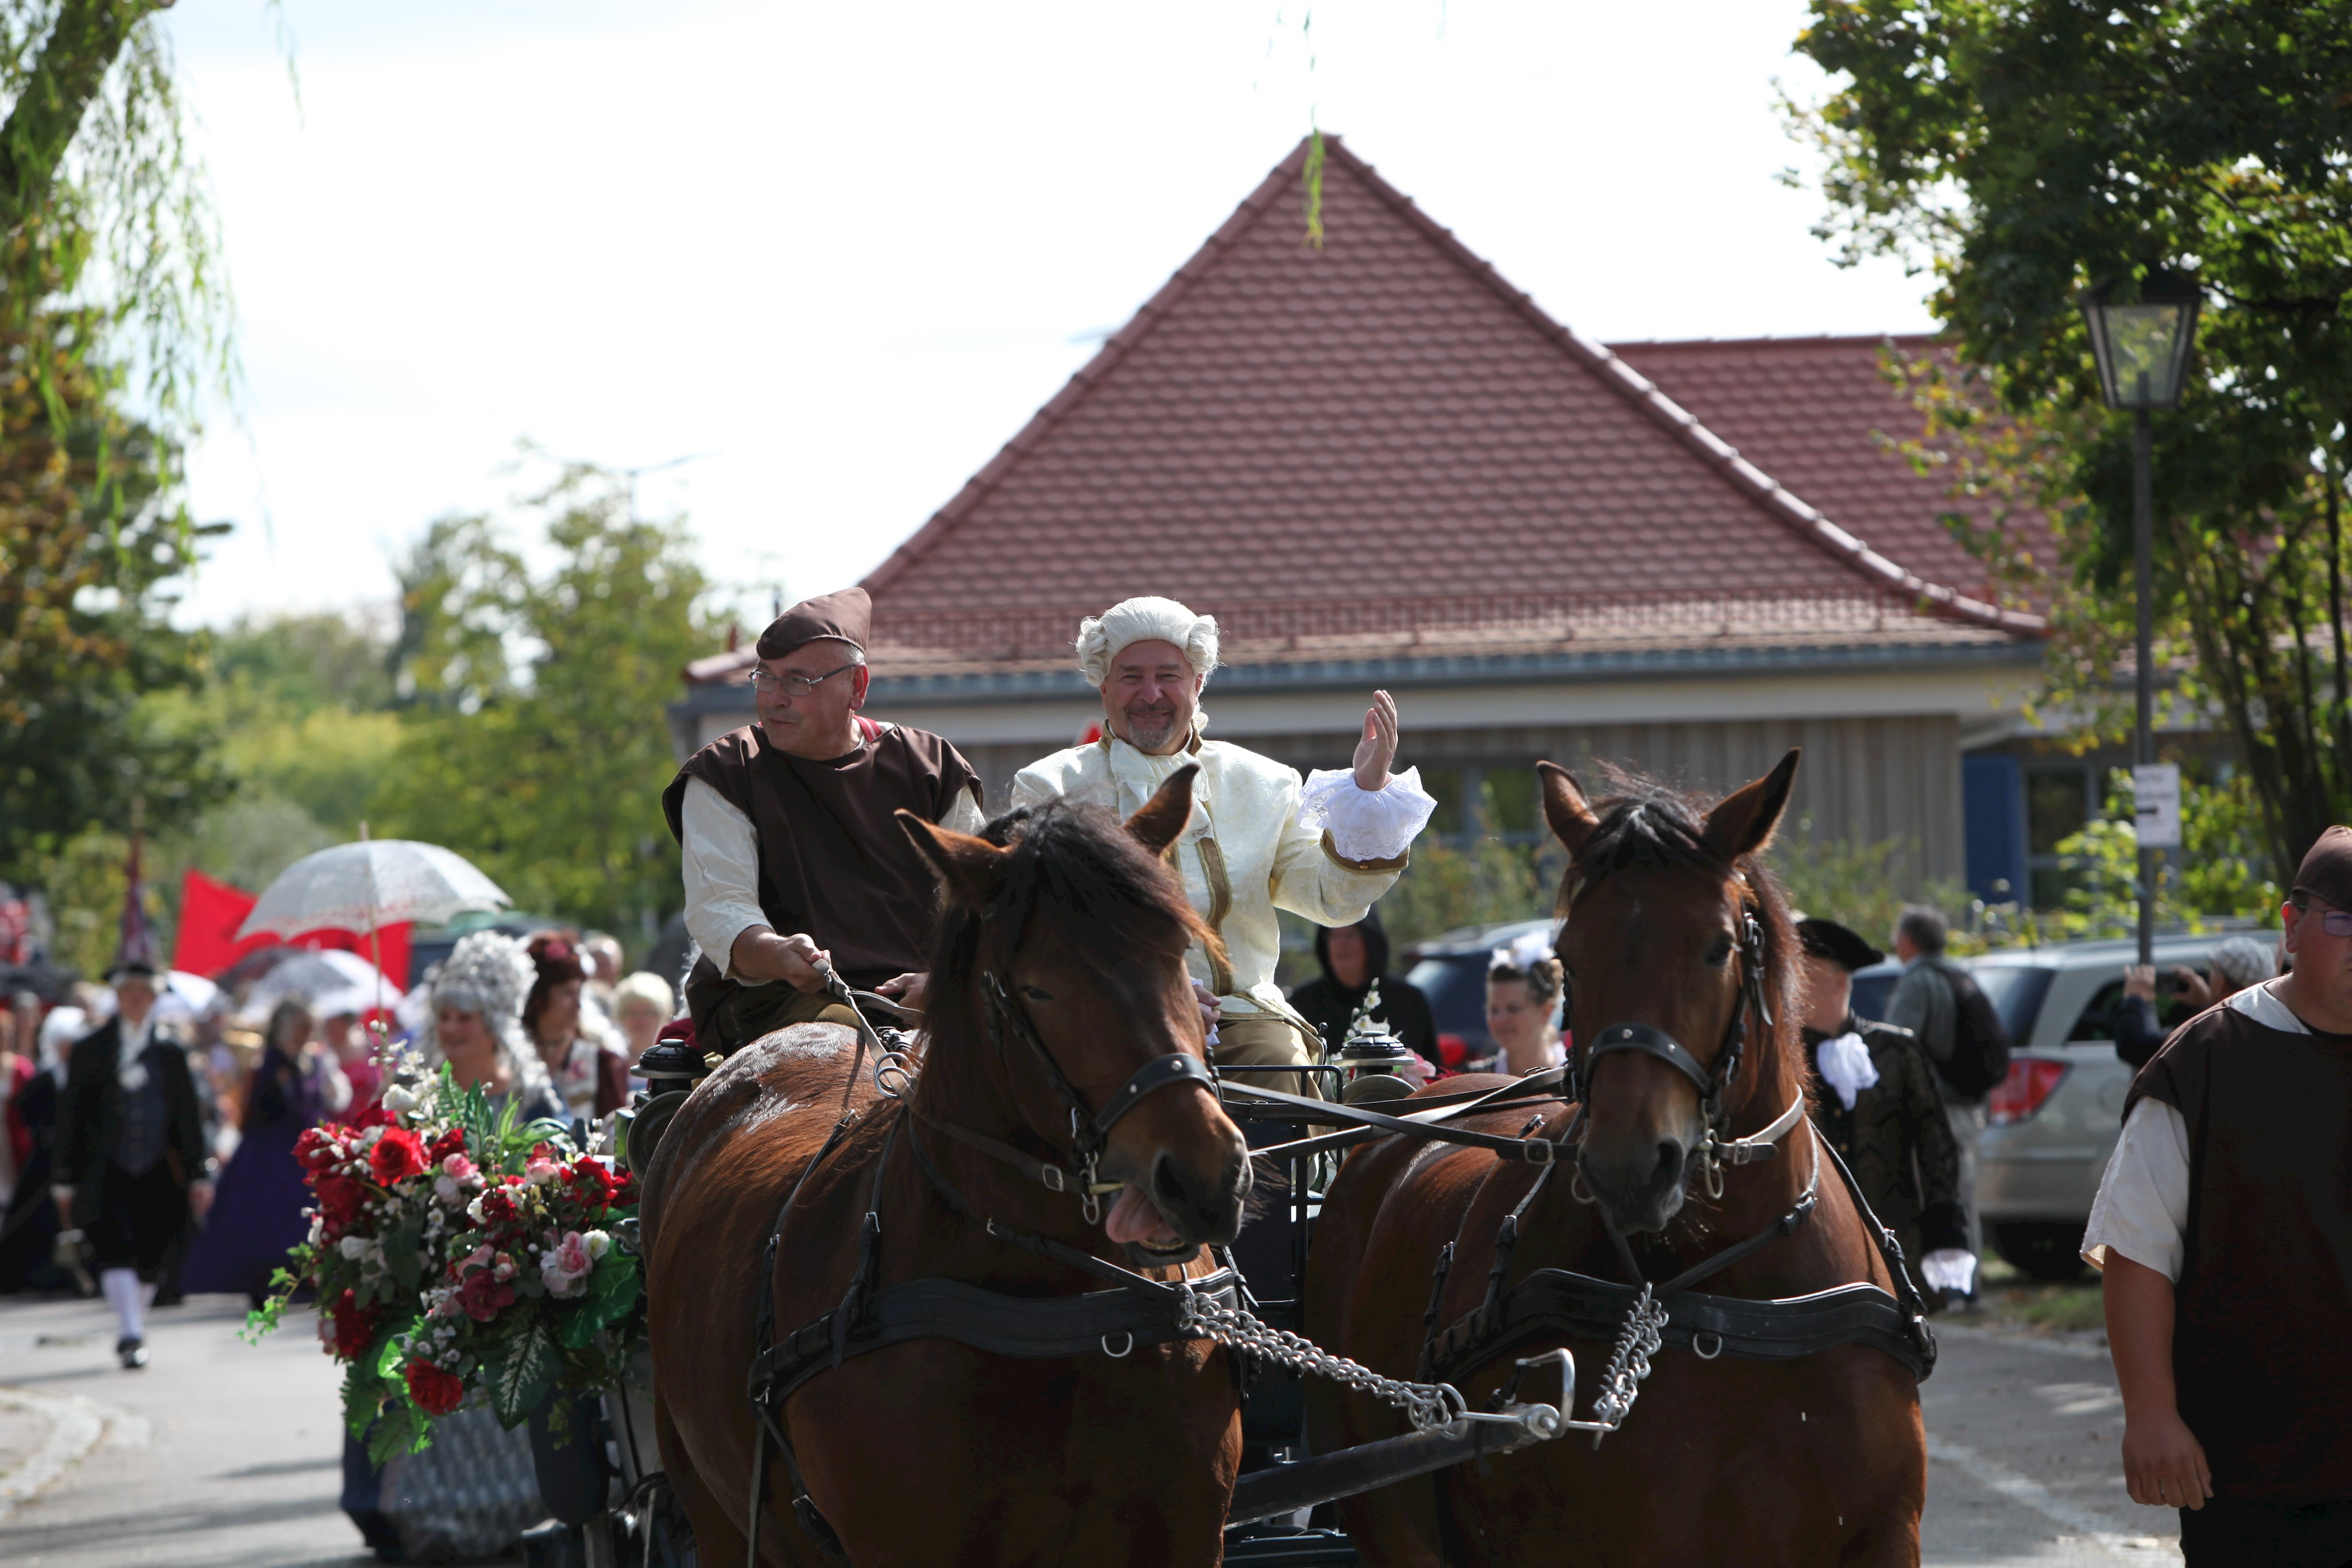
x,y
2142,1209
720,856
965,816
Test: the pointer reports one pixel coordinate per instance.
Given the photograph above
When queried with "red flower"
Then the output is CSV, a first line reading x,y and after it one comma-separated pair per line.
x,y
592,1185
354,1326
315,1149
484,1294
376,1115
452,1141
396,1154
625,1191
497,1206
340,1198
436,1393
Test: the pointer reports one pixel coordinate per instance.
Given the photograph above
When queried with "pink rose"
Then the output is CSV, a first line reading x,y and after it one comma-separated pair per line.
x,y
564,1268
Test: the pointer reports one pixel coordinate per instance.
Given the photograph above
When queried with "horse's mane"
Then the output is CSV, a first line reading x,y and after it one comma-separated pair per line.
x,y
1646,821
1079,859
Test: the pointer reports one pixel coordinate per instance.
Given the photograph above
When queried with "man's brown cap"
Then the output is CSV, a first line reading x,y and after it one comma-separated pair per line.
x,y
2326,871
844,617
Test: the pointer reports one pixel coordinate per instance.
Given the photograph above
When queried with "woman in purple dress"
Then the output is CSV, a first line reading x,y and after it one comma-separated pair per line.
x,y
257,1216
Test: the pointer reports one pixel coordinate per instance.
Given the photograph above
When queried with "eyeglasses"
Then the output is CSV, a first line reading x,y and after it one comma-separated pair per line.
x,y
761,678
2336,922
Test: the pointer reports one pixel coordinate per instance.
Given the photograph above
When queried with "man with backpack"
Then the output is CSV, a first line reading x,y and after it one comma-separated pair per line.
x,y
1961,1031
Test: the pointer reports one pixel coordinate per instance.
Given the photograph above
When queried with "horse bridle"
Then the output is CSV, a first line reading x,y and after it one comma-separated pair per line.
x,y
1642,1040
1089,1128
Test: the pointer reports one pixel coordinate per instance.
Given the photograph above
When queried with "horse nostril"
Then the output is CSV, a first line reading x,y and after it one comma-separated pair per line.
x,y
1670,1164
1168,1181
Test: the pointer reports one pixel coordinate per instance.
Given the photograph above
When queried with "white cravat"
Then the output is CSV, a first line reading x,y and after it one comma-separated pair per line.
x,y
1844,1065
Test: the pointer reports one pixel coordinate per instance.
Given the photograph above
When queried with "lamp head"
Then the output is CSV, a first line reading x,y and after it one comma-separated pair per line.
x,y
2142,342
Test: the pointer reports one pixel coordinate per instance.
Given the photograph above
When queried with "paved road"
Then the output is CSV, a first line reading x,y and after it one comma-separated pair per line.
x,y
221,1455
2022,1466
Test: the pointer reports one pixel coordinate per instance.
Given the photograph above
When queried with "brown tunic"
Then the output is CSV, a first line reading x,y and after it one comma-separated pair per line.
x,y
833,862
2262,1339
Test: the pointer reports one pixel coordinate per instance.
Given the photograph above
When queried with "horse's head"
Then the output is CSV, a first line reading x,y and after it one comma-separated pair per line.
x,y
1073,927
1668,918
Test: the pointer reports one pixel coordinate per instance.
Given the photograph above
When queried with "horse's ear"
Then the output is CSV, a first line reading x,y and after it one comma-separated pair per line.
x,y
970,869
1743,820
1565,807
1162,818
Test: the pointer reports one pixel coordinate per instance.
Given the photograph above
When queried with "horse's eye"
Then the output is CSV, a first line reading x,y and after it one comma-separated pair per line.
x,y
1035,995
1718,953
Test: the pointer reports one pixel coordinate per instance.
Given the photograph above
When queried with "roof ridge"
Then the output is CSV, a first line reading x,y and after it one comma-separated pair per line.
x,y
1743,475
1086,377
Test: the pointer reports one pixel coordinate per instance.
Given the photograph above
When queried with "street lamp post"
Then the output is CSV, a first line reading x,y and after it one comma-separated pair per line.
x,y
2142,347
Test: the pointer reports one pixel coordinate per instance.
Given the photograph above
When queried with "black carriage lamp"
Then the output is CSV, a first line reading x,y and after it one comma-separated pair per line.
x,y
2142,347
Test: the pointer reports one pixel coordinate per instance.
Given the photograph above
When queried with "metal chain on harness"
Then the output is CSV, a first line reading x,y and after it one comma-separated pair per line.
x,y
1430,1407
1629,1364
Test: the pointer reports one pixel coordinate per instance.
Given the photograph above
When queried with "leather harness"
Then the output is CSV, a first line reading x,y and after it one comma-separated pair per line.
x,y
1137,1311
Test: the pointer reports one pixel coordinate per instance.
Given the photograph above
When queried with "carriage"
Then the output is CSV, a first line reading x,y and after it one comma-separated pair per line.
x,y
1347,1387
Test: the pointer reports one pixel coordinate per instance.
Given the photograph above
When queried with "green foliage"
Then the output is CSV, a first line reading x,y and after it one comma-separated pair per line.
x,y
1861,886
2218,870
1448,886
2023,150
534,741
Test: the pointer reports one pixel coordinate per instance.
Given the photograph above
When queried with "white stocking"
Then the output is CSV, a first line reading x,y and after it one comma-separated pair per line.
x,y
121,1287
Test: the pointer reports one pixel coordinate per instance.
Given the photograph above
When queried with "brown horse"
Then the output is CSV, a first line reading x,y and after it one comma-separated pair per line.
x,y
1675,939
930,1452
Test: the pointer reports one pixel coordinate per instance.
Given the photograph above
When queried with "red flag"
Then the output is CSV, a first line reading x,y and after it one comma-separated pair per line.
x,y
210,913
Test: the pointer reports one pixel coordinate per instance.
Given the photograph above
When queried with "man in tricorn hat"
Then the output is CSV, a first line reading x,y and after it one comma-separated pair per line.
x,y
792,855
1257,841
1878,1106
130,1160
2223,1230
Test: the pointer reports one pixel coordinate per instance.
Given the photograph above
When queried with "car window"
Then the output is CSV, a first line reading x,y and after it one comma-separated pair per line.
x,y
2015,992
2098,1019
1456,984
1870,994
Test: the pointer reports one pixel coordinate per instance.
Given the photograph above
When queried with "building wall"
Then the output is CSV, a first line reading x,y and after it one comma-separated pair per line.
x,y
1863,780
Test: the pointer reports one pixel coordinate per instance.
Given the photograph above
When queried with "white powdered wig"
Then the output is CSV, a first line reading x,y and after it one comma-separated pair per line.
x,y
1145,620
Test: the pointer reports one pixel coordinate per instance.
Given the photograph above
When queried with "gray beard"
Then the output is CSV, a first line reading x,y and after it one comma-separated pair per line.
x,y
1151,734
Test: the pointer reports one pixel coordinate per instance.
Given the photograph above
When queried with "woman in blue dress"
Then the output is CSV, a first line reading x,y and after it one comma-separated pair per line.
x,y
258,1212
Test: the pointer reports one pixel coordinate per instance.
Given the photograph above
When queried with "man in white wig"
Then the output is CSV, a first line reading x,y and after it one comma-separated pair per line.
x,y
1258,839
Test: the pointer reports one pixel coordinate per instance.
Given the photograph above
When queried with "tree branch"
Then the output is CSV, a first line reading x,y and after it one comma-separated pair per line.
x,y
80,50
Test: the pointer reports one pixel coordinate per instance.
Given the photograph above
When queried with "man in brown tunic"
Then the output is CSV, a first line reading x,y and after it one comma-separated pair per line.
x,y
2224,1230
792,855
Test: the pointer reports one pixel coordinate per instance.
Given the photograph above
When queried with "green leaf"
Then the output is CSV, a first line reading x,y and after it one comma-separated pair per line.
x,y
581,1325
399,1252
405,1429
524,1374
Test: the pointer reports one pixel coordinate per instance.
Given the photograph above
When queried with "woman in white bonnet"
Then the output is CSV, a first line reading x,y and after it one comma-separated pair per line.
x,y
474,1024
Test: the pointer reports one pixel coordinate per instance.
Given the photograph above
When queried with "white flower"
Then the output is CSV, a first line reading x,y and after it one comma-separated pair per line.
x,y
353,1246
599,1243
399,1100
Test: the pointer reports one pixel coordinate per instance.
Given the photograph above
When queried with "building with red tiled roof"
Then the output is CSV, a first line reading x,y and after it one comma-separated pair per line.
x,y
1379,464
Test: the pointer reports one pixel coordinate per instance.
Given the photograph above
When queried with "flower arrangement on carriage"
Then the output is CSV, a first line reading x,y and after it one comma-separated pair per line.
x,y
456,1252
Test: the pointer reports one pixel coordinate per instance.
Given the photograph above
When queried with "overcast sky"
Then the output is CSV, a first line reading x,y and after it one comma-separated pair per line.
x,y
843,251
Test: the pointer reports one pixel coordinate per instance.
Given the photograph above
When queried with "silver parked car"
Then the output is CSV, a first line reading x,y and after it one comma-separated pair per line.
x,y
2051,1125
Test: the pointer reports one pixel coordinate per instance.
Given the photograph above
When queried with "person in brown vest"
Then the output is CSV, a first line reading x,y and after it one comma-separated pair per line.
x,y
2224,1230
792,856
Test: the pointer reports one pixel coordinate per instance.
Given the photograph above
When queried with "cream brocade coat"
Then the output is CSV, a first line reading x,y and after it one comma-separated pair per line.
x,y
1242,855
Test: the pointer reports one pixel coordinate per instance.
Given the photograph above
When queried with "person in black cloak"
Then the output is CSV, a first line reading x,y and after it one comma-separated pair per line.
x,y
1352,957
131,1162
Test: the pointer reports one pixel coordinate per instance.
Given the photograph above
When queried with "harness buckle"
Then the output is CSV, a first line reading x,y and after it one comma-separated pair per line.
x,y
1055,1178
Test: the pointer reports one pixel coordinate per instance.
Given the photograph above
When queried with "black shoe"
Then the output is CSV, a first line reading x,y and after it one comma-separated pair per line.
x,y
133,1352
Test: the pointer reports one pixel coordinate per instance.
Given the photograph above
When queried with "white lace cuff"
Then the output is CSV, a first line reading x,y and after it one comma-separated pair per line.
x,y
1949,1269
1366,825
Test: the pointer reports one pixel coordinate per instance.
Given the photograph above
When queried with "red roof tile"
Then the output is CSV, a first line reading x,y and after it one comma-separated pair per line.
x,y
1382,439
